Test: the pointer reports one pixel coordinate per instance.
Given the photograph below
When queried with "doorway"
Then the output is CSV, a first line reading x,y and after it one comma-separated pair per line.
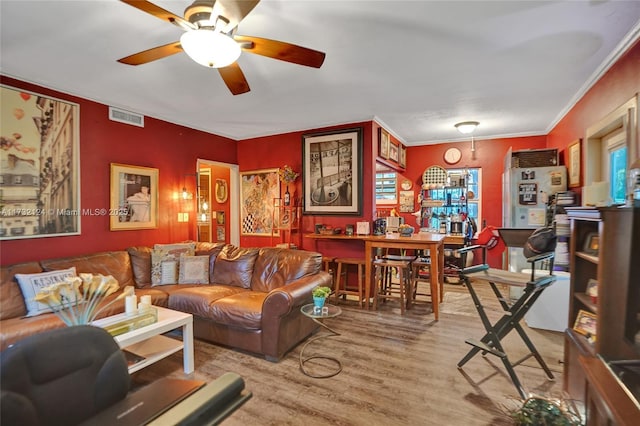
x,y
220,189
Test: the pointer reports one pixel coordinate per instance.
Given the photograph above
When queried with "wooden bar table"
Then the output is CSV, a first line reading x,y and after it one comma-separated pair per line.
x,y
418,241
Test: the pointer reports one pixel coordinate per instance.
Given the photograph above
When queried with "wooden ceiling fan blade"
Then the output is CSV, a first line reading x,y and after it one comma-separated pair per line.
x,y
234,79
160,13
281,50
233,10
152,54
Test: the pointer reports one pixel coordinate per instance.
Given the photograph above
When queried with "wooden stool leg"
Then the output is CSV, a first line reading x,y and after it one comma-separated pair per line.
x,y
338,277
360,284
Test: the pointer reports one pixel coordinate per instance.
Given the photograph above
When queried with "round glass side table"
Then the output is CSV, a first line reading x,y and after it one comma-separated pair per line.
x,y
318,315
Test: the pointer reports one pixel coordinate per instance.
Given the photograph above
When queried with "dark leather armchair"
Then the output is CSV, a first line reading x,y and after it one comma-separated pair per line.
x,y
63,376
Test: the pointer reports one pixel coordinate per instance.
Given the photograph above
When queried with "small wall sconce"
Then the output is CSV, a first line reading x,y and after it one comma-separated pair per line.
x,y
186,195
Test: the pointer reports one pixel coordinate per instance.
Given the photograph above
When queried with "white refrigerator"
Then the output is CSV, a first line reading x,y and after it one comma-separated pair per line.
x,y
525,194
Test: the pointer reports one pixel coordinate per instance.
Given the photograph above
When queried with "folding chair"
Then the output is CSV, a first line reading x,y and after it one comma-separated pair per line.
x,y
490,343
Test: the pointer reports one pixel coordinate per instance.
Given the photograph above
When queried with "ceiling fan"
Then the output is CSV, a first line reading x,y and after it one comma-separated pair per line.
x,y
210,39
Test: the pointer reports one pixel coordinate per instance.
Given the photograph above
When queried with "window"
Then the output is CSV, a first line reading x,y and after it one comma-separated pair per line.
x,y
616,158
386,187
454,192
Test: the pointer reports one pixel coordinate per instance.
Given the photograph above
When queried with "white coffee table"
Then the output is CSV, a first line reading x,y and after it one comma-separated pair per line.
x,y
148,341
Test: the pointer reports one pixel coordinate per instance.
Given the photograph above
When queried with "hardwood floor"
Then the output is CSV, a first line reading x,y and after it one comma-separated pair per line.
x,y
397,370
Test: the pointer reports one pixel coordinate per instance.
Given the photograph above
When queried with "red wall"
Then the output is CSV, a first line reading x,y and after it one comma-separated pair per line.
x,y
168,147
617,86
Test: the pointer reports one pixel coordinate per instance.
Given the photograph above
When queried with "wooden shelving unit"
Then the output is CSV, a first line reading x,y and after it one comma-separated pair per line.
x,y
286,224
588,376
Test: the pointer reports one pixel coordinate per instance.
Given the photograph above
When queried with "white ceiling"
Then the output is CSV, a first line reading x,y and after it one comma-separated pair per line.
x,y
416,67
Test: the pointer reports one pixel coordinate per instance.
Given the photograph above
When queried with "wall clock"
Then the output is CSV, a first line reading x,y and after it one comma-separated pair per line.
x,y
452,155
406,184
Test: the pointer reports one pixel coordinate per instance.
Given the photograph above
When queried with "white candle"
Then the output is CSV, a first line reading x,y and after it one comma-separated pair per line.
x,y
146,299
130,304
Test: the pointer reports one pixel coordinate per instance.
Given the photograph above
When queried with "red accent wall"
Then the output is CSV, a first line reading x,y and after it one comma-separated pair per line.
x,y
619,84
168,147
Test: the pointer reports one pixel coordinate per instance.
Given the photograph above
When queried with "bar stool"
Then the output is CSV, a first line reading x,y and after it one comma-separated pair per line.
x,y
342,287
328,265
419,276
385,289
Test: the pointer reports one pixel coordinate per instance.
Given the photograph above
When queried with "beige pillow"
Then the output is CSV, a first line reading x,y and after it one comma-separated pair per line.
x,y
194,270
165,260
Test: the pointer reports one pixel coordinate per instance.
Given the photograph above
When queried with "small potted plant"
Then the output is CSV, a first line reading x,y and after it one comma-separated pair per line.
x,y
319,294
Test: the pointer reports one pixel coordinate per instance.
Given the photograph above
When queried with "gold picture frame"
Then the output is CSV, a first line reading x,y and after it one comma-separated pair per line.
x,y
258,190
385,140
133,198
585,323
573,163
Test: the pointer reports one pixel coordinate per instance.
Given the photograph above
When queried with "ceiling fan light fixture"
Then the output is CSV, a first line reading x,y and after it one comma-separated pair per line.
x,y
466,127
210,48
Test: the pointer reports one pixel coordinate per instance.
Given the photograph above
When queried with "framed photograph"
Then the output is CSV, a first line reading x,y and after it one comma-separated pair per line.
x,y
40,157
134,198
573,163
383,137
394,152
592,243
585,323
258,190
402,156
332,172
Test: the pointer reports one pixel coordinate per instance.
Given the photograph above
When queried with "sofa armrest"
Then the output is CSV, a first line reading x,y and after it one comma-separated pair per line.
x,y
283,300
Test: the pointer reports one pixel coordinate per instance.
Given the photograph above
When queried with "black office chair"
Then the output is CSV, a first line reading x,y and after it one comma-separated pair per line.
x,y
539,248
61,376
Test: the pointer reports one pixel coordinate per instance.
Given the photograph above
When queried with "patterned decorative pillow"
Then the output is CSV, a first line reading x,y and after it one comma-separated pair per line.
x,y
194,269
165,260
31,284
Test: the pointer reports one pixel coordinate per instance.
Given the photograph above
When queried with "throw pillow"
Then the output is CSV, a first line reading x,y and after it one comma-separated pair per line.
x,y
194,269
164,262
543,240
31,284
141,265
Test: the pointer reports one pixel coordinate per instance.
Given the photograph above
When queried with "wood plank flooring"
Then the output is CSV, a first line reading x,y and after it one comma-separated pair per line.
x,y
397,370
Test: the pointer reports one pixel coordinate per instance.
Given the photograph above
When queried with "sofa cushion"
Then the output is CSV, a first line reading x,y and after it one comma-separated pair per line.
x,y
197,299
31,284
276,267
242,310
114,263
234,266
11,300
141,265
194,269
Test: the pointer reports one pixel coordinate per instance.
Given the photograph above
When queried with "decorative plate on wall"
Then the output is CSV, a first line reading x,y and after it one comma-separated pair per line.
x,y
434,176
222,192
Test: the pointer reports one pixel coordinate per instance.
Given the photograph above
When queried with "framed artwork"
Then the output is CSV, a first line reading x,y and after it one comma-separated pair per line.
x,y
332,172
402,156
393,152
383,148
592,243
134,198
220,218
220,233
573,163
40,164
258,189
585,323
222,191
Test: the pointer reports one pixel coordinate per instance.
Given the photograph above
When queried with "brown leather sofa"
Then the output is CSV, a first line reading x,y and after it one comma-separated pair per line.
x,y
261,317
